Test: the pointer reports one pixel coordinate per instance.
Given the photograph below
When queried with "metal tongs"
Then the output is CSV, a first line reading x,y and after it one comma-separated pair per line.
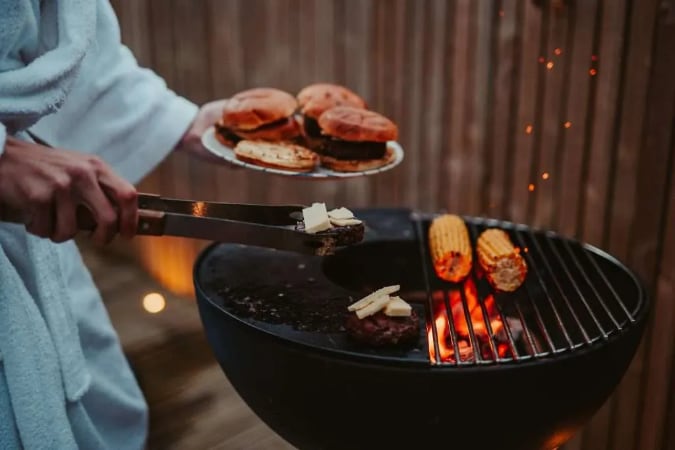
x,y
249,224
257,225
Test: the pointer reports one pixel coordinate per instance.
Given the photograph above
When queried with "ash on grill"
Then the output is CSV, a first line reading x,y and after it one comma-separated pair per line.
x,y
294,306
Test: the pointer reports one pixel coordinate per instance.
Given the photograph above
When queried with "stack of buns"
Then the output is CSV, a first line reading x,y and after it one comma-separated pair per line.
x,y
324,124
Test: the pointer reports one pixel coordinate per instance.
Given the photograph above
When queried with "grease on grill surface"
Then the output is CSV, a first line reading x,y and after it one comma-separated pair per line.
x,y
300,307
290,290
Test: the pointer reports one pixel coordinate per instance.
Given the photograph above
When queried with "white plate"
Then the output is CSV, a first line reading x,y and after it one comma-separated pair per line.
x,y
214,146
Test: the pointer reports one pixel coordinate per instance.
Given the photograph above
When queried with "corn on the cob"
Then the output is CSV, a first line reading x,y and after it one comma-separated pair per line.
x,y
502,263
450,247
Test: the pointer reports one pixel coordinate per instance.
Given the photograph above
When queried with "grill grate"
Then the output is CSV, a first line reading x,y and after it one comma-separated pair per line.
x,y
567,302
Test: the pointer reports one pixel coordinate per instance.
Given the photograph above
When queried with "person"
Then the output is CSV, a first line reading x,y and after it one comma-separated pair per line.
x,y
66,78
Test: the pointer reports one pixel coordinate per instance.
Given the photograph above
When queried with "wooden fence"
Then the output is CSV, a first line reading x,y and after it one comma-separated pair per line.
x,y
558,114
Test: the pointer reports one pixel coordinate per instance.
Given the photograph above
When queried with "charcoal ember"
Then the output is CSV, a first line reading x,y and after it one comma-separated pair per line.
x,y
380,330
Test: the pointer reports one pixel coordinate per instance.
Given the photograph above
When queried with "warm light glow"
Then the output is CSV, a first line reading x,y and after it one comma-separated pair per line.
x,y
442,328
541,59
170,261
594,57
567,124
154,302
530,187
199,209
528,129
545,176
593,72
549,65
479,326
558,51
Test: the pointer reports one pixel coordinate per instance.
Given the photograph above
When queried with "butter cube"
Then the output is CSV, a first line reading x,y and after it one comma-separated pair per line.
x,y
316,218
397,307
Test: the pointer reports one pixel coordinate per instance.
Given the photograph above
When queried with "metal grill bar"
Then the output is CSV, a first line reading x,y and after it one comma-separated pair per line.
x,y
475,345
557,284
488,326
533,268
547,328
528,334
611,288
430,301
589,283
576,288
453,331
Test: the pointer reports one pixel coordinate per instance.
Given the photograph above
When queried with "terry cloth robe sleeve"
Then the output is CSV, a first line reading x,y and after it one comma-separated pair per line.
x,y
117,110
3,138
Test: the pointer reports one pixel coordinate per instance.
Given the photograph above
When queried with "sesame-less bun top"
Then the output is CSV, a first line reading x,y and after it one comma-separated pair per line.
x,y
357,125
317,98
254,108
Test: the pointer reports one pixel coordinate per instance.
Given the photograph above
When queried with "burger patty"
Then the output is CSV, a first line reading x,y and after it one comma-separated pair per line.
x,y
312,128
340,149
381,330
346,235
227,133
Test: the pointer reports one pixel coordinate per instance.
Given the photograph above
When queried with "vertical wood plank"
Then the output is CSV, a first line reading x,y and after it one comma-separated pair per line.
x,y
456,164
412,98
557,55
535,24
567,177
631,125
482,63
429,145
445,160
608,78
506,37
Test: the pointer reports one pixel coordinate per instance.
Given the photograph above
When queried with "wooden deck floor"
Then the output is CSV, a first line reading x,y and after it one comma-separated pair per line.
x,y
192,405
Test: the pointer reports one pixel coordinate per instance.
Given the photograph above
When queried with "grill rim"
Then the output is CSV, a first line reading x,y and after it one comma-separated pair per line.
x,y
635,322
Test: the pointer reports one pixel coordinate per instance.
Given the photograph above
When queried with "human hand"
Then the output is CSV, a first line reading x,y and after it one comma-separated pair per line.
x,y
47,186
191,142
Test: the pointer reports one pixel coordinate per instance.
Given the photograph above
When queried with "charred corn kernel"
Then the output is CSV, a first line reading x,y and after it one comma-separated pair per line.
x,y
450,247
502,263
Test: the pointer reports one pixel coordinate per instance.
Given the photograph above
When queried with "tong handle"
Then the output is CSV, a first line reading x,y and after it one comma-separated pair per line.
x,y
150,223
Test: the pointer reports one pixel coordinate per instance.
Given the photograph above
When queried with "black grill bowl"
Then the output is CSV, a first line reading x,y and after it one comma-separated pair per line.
x,y
319,392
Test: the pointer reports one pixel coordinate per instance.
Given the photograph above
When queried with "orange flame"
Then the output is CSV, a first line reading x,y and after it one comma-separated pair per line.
x,y
459,320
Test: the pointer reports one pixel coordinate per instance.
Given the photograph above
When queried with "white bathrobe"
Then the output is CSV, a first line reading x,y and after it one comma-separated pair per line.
x,y
64,75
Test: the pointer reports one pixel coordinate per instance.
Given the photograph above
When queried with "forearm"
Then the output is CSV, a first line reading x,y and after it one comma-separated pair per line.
x,y
117,110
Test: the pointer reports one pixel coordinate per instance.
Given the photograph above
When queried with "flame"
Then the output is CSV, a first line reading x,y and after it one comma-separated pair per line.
x,y
442,328
461,326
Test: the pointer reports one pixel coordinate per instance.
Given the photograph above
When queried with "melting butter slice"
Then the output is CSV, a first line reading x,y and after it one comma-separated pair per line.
x,y
378,304
370,298
344,222
397,307
316,218
341,214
